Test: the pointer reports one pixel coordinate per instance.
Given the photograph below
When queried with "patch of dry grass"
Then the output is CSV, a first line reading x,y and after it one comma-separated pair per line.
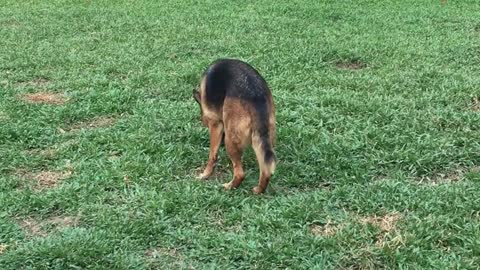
x,y
33,227
386,223
3,248
97,122
44,179
45,98
166,256
388,226
47,153
452,176
350,65
327,230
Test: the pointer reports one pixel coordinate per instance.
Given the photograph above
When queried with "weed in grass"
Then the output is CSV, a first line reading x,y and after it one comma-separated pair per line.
x,y
476,104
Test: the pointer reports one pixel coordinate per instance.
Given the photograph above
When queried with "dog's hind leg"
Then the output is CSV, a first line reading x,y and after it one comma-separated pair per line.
x,y
235,151
216,133
266,161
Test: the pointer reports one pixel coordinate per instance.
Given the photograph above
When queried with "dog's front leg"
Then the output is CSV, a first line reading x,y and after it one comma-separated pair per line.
x,y
216,134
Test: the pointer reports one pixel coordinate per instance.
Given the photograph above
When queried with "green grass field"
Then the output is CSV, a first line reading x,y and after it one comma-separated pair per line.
x,y
378,126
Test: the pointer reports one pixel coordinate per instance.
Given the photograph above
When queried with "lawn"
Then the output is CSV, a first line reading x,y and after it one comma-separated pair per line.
x,y
378,135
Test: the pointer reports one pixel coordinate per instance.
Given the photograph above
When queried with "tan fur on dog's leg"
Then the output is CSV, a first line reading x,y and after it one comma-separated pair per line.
x,y
235,153
216,133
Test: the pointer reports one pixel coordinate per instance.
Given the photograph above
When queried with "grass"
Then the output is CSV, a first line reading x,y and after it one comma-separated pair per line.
x,y
378,135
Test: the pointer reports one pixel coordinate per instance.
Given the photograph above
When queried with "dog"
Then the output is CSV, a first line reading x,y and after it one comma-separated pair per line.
x,y
237,106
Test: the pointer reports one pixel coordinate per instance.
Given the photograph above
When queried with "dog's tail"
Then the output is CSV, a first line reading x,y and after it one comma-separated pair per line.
x,y
262,142
269,157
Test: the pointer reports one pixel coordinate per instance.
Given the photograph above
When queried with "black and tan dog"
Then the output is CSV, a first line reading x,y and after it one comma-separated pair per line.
x,y
237,105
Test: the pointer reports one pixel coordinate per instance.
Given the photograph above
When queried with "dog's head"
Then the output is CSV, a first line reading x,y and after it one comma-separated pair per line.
x,y
198,99
196,96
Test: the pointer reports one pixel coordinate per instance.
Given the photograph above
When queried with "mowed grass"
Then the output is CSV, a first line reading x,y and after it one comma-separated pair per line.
x,y
378,124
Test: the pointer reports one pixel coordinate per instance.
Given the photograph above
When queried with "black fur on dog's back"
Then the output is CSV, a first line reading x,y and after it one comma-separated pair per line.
x,y
228,78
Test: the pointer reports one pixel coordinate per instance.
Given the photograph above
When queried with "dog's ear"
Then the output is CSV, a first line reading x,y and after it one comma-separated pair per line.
x,y
196,95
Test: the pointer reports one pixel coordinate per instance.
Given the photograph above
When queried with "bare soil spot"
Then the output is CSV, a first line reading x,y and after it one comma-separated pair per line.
x,y
33,227
97,122
45,179
45,98
476,104
350,65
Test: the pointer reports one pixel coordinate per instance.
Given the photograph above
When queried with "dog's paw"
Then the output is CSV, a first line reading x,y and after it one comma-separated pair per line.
x,y
227,186
257,190
205,174
202,176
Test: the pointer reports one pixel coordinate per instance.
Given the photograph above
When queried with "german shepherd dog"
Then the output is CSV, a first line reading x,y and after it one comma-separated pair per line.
x,y
237,107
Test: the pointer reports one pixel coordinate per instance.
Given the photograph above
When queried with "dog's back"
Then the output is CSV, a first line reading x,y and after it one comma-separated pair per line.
x,y
234,93
228,78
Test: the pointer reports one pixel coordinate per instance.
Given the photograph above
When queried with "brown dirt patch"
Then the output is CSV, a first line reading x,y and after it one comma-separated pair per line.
x,y
45,179
45,98
350,65
3,248
33,227
327,230
97,122
476,104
